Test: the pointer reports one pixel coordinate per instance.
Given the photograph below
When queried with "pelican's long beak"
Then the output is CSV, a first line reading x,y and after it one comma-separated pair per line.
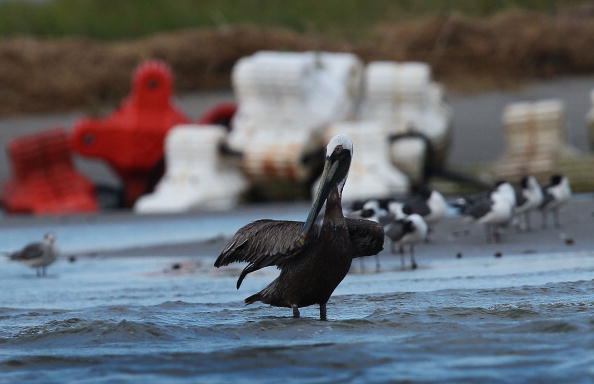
x,y
335,170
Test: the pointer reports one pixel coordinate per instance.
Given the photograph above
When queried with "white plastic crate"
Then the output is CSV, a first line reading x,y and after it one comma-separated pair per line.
x,y
534,137
196,176
285,101
372,174
403,98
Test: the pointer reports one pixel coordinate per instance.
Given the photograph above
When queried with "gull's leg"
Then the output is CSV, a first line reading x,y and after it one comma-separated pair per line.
x,y
296,314
518,222
402,258
413,262
429,232
556,218
527,221
323,312
488,232
496,233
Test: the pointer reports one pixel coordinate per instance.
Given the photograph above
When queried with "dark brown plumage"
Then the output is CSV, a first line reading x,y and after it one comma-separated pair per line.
x,y
313,260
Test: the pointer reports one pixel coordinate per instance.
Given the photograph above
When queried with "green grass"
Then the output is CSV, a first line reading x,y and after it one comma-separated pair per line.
x,y
121,19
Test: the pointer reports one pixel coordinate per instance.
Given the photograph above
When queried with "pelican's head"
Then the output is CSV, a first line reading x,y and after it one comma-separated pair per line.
x,y
339,153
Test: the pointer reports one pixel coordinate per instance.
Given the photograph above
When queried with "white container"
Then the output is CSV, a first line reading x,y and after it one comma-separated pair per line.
x,y
197,177
403,98
286,99
372,174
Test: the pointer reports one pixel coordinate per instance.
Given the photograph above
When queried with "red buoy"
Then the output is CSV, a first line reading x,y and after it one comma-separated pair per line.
x,y
131,139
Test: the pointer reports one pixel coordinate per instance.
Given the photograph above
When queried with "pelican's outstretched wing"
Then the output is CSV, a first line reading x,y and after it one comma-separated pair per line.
x,y
263,243
367,236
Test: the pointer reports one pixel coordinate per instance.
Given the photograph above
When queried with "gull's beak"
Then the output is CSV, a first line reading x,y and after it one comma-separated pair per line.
x,y
335,170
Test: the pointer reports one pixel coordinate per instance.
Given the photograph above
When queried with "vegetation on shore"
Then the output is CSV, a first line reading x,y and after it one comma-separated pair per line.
x,y
115,20
57,55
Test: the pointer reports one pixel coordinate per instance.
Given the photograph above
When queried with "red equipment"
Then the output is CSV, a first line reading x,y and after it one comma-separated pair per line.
x,y
131,139
44,178
221,114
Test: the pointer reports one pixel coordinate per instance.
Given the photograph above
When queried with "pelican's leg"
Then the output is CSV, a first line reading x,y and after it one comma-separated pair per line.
x,y
556,218
393,247
413,262
402,258
377,263
323,312
296,314
527,221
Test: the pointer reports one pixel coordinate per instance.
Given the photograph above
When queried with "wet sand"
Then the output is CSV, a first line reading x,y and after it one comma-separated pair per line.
x,y
205,233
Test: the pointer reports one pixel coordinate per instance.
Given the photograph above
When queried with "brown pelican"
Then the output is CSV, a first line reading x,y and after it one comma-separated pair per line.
x,y
313,259
38,255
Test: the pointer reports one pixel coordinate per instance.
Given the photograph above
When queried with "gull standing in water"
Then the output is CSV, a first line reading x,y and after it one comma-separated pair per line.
x,y
38,255
556,193
493,210
313,259
372,211
532,198
410,231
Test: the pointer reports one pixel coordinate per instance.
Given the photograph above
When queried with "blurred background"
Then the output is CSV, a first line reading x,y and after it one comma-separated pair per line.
x,y
64,61
137,136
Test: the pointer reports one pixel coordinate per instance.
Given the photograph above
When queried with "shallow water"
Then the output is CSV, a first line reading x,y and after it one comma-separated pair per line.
x,y
516,319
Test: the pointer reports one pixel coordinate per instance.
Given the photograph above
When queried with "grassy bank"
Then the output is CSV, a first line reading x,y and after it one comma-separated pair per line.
x,y
48,74
113,20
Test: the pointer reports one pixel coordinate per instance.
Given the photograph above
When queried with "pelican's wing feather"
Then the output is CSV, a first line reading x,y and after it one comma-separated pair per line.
x,y
366,236
263,243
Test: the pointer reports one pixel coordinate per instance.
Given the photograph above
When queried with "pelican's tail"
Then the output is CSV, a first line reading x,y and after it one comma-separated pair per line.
x,y
253,298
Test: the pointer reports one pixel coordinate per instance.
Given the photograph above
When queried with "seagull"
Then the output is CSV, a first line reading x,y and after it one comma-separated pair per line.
x,y
38,255
530,198
555,194
372,210
492,210
429,204
409,230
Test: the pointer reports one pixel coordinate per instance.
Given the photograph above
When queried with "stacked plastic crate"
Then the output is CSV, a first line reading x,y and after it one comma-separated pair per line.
x,y
44,180
197,177
286,100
